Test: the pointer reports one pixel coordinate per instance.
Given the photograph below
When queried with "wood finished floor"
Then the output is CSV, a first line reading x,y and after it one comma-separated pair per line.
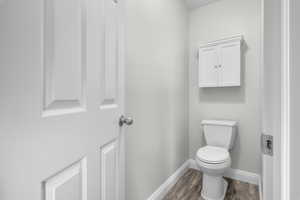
x,y
189,187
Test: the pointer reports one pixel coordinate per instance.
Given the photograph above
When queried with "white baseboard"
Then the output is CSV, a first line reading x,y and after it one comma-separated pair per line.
x,y
162,191
235,174
193,164
244,176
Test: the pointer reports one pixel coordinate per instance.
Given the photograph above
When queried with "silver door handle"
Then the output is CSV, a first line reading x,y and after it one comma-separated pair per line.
x,y
125,120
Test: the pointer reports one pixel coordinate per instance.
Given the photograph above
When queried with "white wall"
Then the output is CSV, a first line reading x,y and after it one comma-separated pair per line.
x,y
156,93
211,22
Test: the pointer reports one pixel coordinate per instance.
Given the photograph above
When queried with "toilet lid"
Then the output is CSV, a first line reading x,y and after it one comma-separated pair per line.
x,y
214,155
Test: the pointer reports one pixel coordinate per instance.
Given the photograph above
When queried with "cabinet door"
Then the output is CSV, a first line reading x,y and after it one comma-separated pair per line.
x,y
230,64
208,67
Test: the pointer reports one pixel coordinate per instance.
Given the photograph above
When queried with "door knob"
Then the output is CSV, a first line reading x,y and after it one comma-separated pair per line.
x,y
125,120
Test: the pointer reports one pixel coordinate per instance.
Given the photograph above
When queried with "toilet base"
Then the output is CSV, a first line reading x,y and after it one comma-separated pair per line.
x,y
213,187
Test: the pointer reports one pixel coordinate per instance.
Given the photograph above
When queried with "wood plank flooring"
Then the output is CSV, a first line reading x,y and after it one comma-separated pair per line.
x,y
189,187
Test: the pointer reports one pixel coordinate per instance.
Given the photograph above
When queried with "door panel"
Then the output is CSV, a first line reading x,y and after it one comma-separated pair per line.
x,y
69,190
54,78
70,183
110,68
109,170
64,57
208,63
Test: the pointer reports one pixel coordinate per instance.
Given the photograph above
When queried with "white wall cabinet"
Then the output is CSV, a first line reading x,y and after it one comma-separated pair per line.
x,y
220,63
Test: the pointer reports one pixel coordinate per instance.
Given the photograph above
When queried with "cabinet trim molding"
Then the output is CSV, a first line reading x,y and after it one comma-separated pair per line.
x,y
234,38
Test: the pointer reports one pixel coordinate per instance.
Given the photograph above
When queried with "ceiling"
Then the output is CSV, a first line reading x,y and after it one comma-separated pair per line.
x,y
197,3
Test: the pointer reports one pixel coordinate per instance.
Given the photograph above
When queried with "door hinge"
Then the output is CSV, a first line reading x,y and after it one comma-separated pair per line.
x,y
267,144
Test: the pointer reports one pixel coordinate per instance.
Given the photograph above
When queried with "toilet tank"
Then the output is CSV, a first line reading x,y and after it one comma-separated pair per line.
x,y
220,133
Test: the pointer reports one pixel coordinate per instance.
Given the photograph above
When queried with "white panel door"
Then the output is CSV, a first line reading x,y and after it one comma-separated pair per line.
x,y
208,67
230,64
61,84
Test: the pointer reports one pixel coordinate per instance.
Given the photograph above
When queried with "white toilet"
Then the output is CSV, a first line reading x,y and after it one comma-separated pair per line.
x,y
214,159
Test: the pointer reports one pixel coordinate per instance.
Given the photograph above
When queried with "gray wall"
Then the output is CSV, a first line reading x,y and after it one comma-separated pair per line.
x,y
271,108
294,100
211,22
156,93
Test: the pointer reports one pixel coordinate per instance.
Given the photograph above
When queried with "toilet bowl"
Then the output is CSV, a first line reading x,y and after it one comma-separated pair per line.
x,y
214,159
213,166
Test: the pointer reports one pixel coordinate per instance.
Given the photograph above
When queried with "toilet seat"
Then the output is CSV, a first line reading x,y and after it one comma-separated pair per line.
x,y
213,155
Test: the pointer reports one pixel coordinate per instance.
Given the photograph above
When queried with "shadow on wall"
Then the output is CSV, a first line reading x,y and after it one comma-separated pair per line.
x,y
235,151
227,94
